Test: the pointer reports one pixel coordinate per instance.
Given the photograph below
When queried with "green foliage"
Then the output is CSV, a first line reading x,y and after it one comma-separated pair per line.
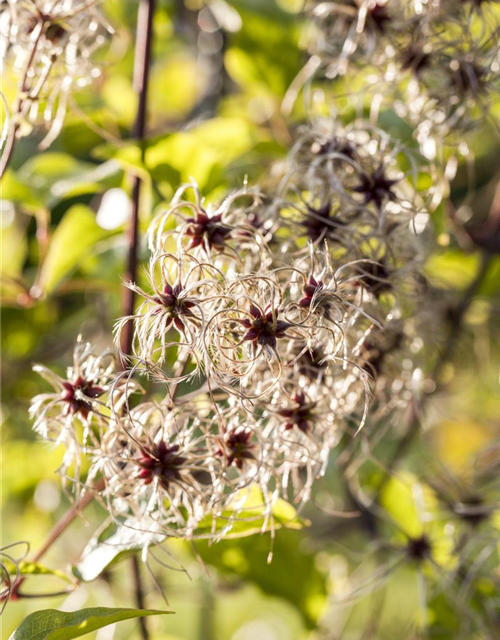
x,y
50,238
292,574
15,484
74,238
26,568
51,624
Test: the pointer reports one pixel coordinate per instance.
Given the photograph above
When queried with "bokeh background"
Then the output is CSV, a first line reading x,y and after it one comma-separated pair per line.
x,y
215,115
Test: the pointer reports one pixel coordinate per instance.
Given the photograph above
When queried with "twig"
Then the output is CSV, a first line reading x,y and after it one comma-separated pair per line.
x,y
144,37
23,95
60,527
67,519
141,81
139,594
141,77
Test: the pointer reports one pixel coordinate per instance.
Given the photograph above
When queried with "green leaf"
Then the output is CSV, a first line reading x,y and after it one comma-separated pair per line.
x,y
100,554
14,245
49,166
26,568
194,153
72,241
15,484
251,518
37,183
399,500
51,624
452,268
127,155
15,190
246,559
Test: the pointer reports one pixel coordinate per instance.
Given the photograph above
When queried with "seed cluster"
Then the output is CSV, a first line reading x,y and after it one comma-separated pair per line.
x,y
50,47
280,315
435,62
277,326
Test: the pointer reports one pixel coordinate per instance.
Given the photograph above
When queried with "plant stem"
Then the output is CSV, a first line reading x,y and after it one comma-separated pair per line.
x,y
141,82
23,95
67,519
139,594
60,527
8,150
141,79
144,37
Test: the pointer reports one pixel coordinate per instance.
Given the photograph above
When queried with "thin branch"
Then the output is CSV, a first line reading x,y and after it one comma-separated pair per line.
x,y
23,95
141,78
139,593
144,37
60,527
67,519
141,82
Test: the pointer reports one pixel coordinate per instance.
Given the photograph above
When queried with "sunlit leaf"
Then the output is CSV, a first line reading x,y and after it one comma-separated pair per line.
x,y
15,190
51,624
452,269
403,499
26,568
75,237
251,518
17,452
103,552
14,246
196,152
292,575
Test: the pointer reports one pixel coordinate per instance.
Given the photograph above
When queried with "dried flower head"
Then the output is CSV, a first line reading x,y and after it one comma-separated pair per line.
x,y
75,413
226,235
50,47
184,292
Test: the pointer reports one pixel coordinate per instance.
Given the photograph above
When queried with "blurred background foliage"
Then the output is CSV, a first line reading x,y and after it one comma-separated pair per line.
x,y
215,115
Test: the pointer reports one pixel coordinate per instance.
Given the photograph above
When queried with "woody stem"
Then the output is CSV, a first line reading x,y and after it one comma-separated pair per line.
x,y
144,37
141,79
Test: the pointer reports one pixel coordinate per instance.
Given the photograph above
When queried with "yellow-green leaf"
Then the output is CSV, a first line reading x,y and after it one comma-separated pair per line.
x,y
51,624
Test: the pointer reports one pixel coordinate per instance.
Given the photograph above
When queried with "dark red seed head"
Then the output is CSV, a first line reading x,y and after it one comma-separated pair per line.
x,y
466,77
300,416
178,306
162,462
375,277
79,395
264,328
319,223
414,59
206,231
379,17
334,145
237,447
311,363
419,548
376,187
310,289
55,32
